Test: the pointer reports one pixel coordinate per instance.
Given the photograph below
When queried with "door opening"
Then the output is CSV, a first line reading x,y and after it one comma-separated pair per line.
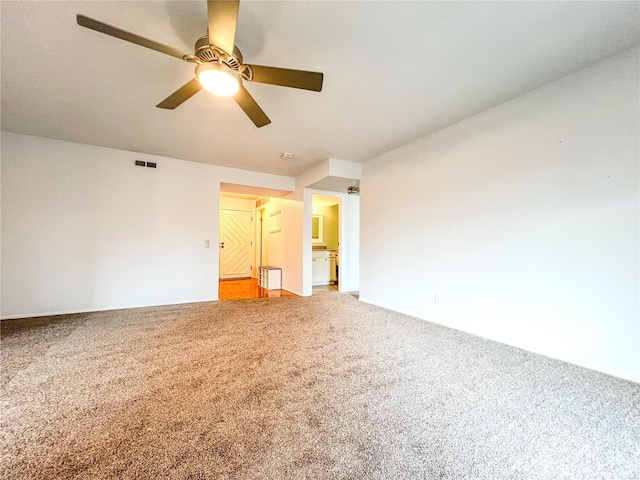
x,y
325,243
242,249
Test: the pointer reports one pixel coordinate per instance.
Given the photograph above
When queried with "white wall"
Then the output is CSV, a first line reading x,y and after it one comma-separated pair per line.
x,y
524,219
344,169
349,243
282,241
78,221
234,203
331,175
330,226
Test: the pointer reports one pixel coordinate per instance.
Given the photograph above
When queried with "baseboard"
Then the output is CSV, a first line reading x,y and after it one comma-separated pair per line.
x,y
598,368
73,312
295,292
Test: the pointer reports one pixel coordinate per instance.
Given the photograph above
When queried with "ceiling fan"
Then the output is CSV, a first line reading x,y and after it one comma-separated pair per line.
x,y
219,63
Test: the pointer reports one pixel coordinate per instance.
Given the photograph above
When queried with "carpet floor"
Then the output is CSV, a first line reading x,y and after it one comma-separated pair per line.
x,y
323,387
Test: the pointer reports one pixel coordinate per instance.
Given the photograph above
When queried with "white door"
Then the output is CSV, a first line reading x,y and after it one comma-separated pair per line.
x,y
236,246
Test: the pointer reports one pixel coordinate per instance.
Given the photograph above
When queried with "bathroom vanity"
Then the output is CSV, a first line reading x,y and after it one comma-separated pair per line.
x,y
324,267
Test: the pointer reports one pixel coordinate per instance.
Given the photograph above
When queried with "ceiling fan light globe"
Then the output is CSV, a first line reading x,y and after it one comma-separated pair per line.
x,y
217,79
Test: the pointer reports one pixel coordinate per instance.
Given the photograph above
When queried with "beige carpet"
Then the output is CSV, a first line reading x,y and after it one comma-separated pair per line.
x,y
321,387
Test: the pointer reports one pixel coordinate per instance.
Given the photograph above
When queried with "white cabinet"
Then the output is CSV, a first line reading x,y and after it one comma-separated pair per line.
x,y
270,278
319,269
323,267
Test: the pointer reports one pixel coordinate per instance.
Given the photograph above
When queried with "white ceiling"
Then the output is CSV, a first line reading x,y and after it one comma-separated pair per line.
x,y
394,71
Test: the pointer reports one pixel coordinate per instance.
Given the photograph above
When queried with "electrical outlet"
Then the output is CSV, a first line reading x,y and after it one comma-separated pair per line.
x,y
123,287
207,244
436,298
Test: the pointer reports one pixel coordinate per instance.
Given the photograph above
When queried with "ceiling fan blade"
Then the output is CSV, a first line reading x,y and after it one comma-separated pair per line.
x,y
181,95
251,108
287,78
223,16
129,37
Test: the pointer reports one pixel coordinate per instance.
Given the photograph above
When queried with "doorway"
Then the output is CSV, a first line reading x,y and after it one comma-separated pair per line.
x,y
325,243
241,245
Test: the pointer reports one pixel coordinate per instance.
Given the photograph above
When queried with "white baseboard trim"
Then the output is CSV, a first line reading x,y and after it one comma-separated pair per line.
x,y
295,292
591,366
92,310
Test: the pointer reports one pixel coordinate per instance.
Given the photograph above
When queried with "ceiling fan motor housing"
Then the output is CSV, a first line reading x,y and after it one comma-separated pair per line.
x,y
210,53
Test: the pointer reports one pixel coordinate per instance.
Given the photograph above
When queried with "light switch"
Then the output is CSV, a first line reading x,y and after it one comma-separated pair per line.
x,y
206,244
